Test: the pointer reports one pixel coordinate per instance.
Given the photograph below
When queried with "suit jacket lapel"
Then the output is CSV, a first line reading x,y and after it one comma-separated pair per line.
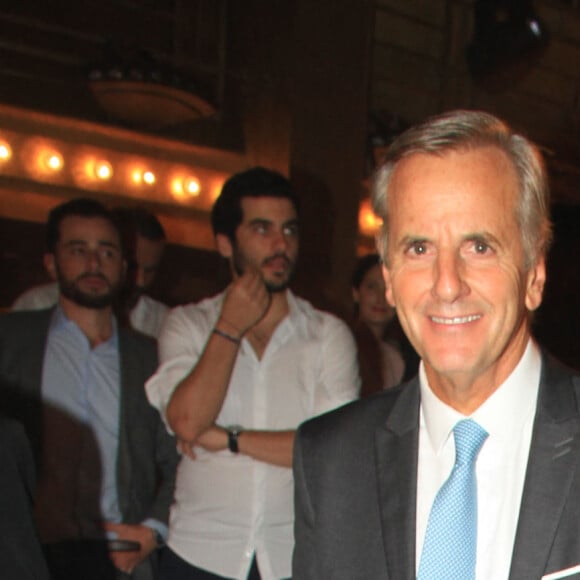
x,y
36,334
553,459
396,445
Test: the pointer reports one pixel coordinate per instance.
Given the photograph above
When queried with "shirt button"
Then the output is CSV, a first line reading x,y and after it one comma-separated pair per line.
x,y
249,554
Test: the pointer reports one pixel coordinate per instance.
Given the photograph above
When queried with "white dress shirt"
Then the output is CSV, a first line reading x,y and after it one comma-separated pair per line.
x,y
228,507
147,315
508,417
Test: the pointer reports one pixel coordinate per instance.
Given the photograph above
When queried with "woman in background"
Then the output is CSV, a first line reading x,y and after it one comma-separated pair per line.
x,y
385,356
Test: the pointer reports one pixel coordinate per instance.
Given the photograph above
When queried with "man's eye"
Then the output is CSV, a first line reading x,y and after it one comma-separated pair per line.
x,y
480,247
418,248
291,231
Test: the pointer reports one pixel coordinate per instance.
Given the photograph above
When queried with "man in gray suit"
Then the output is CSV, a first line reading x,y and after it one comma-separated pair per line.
x,y
466,230
75,378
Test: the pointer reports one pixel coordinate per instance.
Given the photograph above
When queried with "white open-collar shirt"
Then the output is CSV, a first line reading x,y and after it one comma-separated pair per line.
x,y
508,417
228,507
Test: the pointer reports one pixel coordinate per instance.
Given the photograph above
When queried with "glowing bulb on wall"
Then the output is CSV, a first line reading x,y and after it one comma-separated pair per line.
x,y
103,170
192,186
5,151
53,161
183,187
137,176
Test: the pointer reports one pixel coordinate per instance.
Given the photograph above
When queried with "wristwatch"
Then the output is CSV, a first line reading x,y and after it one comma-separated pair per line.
x,y
233,434
159,541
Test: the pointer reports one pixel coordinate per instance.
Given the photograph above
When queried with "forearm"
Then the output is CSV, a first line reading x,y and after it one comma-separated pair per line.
x,y
198,398
274,447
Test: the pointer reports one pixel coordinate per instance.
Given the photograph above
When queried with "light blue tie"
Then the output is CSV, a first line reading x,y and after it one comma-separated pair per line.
x,y
451,539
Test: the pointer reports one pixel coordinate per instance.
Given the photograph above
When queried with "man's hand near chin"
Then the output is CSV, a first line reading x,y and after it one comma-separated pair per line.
x,y
126,561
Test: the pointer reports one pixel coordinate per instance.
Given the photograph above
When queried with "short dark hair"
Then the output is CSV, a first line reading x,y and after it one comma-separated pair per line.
x,y
139,221
226,214
362,266
79,207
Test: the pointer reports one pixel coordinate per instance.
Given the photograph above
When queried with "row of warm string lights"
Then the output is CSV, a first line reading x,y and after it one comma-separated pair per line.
x,y
81,166
88,168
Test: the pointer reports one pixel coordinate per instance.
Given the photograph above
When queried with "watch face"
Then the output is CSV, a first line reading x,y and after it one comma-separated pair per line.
x,y
233,433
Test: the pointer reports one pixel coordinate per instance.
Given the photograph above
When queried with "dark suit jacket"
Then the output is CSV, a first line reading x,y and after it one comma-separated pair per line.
x,y
20,553
147,458
355,473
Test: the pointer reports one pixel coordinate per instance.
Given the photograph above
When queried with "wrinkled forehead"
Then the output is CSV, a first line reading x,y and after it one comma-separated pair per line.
x,y
461,192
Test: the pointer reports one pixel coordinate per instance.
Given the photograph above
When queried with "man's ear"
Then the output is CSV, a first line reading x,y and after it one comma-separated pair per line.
x,y
224,245
536,279
389,287
50,265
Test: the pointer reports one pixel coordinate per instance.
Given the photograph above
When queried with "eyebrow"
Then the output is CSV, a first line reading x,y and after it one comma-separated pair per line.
x,y
259,221
406,241
486,236
266,222
104,243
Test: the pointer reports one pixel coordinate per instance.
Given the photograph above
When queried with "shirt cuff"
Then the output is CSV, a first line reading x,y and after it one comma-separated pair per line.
x,y
157,526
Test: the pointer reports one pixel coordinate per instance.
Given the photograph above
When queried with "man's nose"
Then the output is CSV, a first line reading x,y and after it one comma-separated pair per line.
x,y
280,242
449,276
94,260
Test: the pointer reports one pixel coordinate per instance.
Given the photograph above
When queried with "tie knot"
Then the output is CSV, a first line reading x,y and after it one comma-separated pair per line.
x,y
469,437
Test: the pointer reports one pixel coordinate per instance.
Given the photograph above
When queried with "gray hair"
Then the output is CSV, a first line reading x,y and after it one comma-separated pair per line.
x,y
468,130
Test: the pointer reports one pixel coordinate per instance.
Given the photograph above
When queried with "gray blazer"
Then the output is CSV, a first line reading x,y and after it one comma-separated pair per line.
x,y
147,458
355,472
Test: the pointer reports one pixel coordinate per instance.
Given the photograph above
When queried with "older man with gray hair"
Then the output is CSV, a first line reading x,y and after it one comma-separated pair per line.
x,y
471,470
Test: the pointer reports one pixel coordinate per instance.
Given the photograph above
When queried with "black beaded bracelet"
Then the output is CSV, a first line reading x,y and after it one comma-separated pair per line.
x,y
227,336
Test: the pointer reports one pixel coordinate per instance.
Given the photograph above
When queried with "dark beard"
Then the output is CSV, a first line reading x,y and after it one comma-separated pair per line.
x,y
272,287
70,290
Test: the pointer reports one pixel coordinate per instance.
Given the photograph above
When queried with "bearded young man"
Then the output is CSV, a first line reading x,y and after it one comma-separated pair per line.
x,y
75,378
144,242
238,373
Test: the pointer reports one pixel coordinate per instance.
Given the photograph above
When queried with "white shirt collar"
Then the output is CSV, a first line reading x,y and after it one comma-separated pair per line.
x,y
502,414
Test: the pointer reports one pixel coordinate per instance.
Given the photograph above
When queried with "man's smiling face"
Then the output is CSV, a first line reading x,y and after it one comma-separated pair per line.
x,y
455,265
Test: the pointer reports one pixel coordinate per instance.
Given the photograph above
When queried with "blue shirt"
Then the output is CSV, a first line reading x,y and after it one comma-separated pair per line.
x,y
84,382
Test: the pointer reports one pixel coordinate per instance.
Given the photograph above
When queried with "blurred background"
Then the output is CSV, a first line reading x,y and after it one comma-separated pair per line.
x,y
156,102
